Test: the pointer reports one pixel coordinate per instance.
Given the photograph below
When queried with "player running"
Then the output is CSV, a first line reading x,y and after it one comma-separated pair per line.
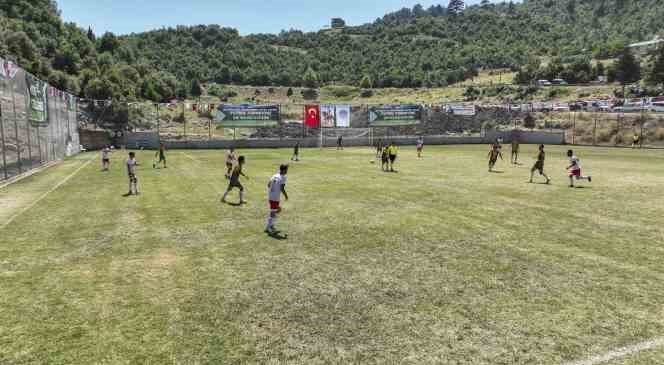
x,y
515,151
539,165
235,180
162,156
392,151
340,143
379,148
131,172
575,169
420,146
230,162
276,187
106,158
493,156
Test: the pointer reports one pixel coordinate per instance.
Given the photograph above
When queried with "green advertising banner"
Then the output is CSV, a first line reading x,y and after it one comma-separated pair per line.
x,y
394,115
247,116
37,102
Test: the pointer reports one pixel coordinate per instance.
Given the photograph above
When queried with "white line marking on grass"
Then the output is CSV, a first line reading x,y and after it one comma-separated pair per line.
x,y
621,352
12,218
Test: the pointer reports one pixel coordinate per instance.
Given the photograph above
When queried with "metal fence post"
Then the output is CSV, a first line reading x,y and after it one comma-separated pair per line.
x,y
2,140
595,132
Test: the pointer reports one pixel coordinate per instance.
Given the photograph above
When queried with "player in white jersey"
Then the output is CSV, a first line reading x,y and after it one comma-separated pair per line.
x,y
575,169
230,162
105,158
275,188
420,146
131,172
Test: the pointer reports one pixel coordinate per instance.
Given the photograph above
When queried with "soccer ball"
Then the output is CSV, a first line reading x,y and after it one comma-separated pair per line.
x,y
372,161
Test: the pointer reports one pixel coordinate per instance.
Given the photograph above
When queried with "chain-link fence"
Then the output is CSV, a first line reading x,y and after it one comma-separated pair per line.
x,y
189,121
38,123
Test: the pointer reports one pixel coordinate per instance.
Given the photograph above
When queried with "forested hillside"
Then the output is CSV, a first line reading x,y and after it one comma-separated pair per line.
x,y
409,48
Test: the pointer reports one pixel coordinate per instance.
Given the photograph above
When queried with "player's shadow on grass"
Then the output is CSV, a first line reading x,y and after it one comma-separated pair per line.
x,y
233,204
497,172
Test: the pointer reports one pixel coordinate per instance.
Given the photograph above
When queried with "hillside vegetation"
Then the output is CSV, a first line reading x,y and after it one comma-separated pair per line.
x,y
410,48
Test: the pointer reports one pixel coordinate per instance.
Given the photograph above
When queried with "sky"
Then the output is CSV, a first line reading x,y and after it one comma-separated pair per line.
x,y
247,16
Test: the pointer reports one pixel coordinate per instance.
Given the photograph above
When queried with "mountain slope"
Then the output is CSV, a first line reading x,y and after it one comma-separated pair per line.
x,y
409,48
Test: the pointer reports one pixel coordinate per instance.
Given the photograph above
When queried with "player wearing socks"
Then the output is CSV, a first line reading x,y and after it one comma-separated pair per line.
x,y
296,152
105,158
162,156
384,159
131,172
493,156
420,146
515,151
235,180
539,165
230,162
392,151
575,169
275,188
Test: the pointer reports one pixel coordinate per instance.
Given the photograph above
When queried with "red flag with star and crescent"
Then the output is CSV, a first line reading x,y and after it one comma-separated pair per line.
x,y
312,116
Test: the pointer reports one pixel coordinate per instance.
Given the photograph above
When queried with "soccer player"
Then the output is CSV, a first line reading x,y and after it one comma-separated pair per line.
x,y
636,141
515,151
493,156
235,180
230,162
420,146
379,148
392,151
131,172
575,169
276,187
105,158
296,152
162,156
384,159
539,165
340,143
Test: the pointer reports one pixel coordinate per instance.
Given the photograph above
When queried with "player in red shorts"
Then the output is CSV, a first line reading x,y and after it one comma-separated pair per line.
x,y
275,188
575,169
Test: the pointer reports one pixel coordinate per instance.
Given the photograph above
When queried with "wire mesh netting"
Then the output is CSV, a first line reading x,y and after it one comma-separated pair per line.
x,y
38,123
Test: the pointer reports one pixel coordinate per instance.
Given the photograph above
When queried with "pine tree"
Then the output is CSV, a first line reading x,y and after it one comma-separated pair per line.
x,y
310,79
91,35
455,7
627,68
656,76
196,90
366,82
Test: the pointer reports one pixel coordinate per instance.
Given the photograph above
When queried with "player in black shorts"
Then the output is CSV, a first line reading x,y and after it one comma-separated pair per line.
x,y
384,159
235,180
539,165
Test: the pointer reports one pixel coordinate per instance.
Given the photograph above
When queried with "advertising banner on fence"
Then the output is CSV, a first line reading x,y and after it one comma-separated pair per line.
x,y
461,109
37,103
327,116
394,115
312,116
247,115
343,116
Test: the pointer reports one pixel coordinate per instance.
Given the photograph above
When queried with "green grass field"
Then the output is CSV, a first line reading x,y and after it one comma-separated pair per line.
x,y
442,262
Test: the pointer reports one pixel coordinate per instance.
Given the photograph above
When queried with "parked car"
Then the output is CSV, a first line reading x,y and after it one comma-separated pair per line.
x,y
543,82
559,82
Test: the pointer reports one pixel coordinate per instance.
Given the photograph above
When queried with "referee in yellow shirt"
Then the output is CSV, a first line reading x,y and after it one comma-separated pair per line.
x,y
392,151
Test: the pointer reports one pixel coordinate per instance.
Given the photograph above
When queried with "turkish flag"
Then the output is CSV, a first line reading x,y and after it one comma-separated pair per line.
x,y
312,116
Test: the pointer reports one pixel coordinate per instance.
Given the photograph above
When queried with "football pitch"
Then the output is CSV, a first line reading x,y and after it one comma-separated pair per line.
x,y
442,262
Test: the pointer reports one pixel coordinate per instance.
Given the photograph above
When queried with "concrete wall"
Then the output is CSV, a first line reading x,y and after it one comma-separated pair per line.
x,y
151,141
